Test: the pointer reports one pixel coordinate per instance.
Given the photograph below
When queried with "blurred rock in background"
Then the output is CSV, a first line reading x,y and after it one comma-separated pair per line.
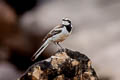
x,y
24,23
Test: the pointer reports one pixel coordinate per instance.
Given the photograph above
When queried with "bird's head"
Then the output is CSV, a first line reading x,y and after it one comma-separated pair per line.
x,y
66,21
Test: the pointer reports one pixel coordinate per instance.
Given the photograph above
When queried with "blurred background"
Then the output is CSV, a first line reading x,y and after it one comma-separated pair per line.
x,y
96,33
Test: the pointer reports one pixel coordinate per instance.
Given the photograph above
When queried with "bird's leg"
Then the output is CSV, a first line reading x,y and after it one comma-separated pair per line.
x,y
57,45
60,46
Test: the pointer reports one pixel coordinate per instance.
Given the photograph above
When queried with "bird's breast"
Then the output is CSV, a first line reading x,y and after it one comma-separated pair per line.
x,y
61,36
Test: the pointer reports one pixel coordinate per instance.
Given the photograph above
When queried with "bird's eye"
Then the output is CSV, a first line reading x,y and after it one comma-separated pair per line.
x,y
63,19
69,21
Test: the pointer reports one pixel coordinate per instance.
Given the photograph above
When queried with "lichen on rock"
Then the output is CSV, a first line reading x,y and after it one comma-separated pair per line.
x,y
63,65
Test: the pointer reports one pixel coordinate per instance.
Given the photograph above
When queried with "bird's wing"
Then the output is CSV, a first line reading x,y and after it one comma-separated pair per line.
x,y
54,31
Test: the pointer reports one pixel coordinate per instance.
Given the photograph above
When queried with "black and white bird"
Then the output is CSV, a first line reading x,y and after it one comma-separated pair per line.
x,y
56,35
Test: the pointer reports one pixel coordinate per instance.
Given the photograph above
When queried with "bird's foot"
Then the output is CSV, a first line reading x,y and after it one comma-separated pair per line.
x,y
62,50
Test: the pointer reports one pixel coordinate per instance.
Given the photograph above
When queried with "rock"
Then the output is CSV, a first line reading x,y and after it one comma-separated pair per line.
x,y
63,65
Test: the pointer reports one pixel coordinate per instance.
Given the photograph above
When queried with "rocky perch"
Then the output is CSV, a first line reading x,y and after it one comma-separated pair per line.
x,y
63,65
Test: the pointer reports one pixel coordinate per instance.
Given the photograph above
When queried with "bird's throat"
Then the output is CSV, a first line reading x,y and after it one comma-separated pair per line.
x,y
68,27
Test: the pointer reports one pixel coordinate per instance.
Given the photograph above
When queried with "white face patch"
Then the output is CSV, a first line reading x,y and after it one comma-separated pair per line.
x,y
65,23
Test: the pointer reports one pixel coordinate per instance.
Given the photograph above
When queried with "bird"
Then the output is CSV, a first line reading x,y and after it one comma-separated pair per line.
x,y
56,35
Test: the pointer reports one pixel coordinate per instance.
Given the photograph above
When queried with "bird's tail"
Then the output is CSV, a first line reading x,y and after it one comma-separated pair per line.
x,y
40,50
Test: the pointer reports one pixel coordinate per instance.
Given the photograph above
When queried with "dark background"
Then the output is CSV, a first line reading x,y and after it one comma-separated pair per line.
x,y
24,23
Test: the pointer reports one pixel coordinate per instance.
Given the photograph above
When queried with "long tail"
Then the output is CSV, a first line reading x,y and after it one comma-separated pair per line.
x,y
40,50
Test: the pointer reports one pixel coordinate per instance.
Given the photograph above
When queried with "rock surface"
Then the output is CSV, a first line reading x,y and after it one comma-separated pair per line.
x,y
63,65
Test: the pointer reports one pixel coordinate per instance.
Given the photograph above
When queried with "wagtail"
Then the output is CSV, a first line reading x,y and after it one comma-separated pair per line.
x,y
56,35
